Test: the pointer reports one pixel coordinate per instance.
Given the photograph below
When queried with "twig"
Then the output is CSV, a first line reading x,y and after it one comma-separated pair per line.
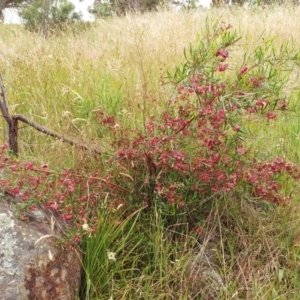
x,y
52,133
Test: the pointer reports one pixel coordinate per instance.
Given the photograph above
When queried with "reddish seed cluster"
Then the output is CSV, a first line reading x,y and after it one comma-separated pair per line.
x,y
222,67
262,179
243,70
222,54
256,81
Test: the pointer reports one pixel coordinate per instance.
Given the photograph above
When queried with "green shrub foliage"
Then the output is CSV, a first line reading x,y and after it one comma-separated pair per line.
x,y
39,15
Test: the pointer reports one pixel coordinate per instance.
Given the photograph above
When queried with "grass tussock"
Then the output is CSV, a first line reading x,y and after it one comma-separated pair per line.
x,y
244,248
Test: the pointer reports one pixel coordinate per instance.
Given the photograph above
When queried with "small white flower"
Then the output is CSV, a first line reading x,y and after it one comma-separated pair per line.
x,y
111,256
85,226
110,298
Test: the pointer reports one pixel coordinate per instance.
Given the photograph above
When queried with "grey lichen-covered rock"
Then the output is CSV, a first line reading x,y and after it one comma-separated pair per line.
x,y
203,273
32,266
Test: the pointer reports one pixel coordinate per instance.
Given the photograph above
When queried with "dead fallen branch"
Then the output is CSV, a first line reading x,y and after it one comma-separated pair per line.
x,y
12,124
50,132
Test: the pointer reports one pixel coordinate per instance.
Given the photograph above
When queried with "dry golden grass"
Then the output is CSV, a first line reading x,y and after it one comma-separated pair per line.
x,y
116,65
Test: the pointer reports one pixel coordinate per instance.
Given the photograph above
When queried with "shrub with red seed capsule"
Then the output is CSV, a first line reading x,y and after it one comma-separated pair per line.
x,y
192,151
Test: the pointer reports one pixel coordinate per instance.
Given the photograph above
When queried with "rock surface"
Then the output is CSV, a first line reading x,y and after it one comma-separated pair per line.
x,y
32,266
204,280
